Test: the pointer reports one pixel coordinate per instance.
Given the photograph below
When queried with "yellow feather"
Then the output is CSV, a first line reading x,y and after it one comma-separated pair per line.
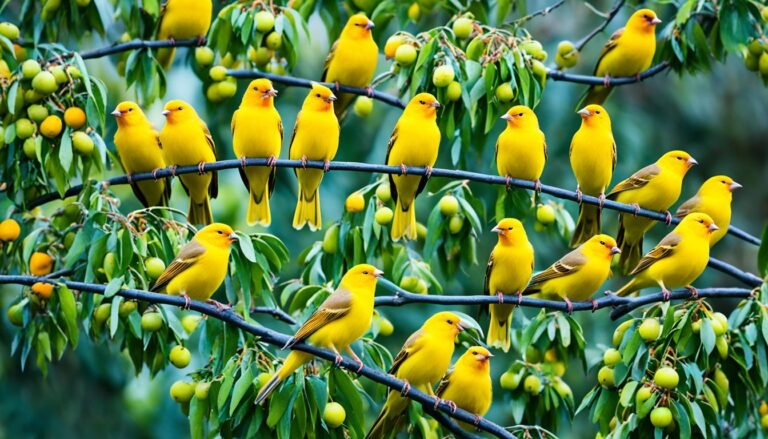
x,y
183,20
521,150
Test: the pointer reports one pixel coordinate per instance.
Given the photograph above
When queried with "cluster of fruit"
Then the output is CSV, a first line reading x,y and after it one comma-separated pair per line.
x,y
537,373
756,57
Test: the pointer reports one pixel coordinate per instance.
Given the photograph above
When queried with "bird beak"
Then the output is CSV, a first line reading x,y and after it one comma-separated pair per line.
x,y
507,116
271,93
692,161
496,229
712,227
378,273
734,186
655,20
369,25
615,251
584,113
459,327
483,358
330,98
166,112
233,237
117,113
435,104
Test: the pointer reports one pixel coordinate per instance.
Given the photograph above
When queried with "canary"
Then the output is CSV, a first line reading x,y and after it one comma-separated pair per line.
x,y
713,198
593,159
468,385
422,361
628,52
352,59
415,142
521,150
340,320
200,267
257,131
508,272
579,274
186,141
677,260
315,137
654,187
182,20
138,146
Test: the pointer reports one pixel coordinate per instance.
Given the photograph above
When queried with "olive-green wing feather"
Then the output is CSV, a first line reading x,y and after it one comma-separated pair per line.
x,y
213,188
568,264
328,60
293,137
688,207
664,248
609,45
636,180
188,255
390,144
444,383
336,306
405,351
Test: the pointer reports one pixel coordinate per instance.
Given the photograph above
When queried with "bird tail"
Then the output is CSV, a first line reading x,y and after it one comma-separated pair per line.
x,y
295,360
165,57
258,208
390,418
596,94
308,211
200,213
629,288
588,224
341,106
631,251
404,222
498,329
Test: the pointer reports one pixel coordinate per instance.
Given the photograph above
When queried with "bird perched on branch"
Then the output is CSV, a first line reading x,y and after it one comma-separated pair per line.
x,y
579,274
655,187
182,20
508,272
315,137
138,146
521,150
186,141
257,131
468,384
713,198
340,320
414,142
352,59
200,267
628,52
677,260
593,159
422,361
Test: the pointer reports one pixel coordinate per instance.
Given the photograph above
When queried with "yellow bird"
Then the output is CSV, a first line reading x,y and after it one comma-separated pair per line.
x,y
655,187
521,150
138,146
713,198
315,137
182,20
628,52
579,274
186,141
200,267
415,142
677,260
593,159
257,131
340,320
508,272
422,361
352,59
468,385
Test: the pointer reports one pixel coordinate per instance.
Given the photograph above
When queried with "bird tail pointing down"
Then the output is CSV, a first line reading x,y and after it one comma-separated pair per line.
x,y
587,226
295,360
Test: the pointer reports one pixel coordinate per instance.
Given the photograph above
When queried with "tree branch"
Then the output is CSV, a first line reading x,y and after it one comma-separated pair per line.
x,y
558,75
540,12
609,17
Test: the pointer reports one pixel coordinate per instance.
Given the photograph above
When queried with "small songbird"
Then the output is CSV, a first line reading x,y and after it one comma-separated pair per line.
x,y
138,146
521,150
315,137
468,384
713,198
257,131
579,274
186,141
422,361
655,187
200,267
593,159
677,260
182,20
628,52
352,60
415,142
509,270
340,320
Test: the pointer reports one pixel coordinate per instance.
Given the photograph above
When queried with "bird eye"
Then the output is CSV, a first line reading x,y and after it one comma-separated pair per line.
x,y
520,114
510,227
701,221
474,352
679,158
602,242
450,322
317,94
130,109
723,182
364,272
598,111
181,108
422,102
219,232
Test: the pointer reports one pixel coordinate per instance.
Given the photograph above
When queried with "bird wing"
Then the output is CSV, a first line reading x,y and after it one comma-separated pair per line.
x,y
293,136
544,139
243,175
568,264
405,351
663,249
636,180
609,45
390,145
613,156
274,169
328,60
336,306
444,383
188,255
688,207
213,189
486,284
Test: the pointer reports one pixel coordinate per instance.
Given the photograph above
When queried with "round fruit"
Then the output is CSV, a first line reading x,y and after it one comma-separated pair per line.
x,y
475,48
456,224
9,230
384,215
539,70
764,418
51,126
383,192
421,231
260,56
565,47
666,378
212,93
567,60
331,239
562,388
558,368
763,410
764,15
449,205
9,30
532,355
722,346
717,327
605,377
509,380
24,128
643,394
126,308
443,75
218,73
204,56
265,21
392,44
721,380
409,283
505,92
696,326
661,417
151,321
40,264
650,329
82,3
722,319
190,322
154,267
101,314
109,264
550,355
532,384
44,83
611,357
545,214
180,356
30,148
414,12
74,72
763,64
334,414
355,202
30,68
16,314
755,47
37,112
363,106
752,62
462,28
42,289
202,389
227,89
59,74
74,117
405,55
182,391
82,142
263,378
386,328
453,92
274,41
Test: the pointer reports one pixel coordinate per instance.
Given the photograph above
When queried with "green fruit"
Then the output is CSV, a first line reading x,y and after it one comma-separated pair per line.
x,y
182,391
531,47
475,48
204,56
408,283
82,3
82,143
661,417
59,74
456,224
532,385
202,389
650,329
37,112
363,106
545,214
74,72
557,368
568,60
180,356
212,93
532,355
443,75
331,239
227,89
101,314
274,41
453,92
449,205
562,388
151,321
265,21
383,192
550,355
154,267
643,394
666,378
126,308
764,15
44,83
262,56
755,47
539,70
30,68
611,357
696,326
9,30
263,379
565,47
752,62
763,64
421,231
605,377
722,347
334,414
721,380
421,287
24,128
509,380
384,215
69,239
30,148
764,419
218,73
505,92
386,328
190,322
462,28
720,317
405,55
16,314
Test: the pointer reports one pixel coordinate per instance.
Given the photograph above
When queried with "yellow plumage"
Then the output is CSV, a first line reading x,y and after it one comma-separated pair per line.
x,y
182,20
468,384
257,131
713,198
521,150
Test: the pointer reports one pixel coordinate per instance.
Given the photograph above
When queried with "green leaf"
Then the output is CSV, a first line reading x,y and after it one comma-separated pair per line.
x,y
627,393
226,384
197,409
241,386
69,312
762,254
113,287
707,335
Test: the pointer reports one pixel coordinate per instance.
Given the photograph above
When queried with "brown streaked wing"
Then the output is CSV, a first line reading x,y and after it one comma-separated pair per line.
x,y
636,180
688,207
664,248
444,383
328,60
390,145
568,264
405,351
336,306
186,257
609,45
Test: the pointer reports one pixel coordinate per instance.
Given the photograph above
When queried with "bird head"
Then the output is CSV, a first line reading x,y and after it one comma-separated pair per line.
x,y
358,26
511,231
643,20
217,234
602,245
320,98
476,357
178,111
443,323
521,116
259,92
361,275
677,161
699,222
594,115
719,185
423,104
127,113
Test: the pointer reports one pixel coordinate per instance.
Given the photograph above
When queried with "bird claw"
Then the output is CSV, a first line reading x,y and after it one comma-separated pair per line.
x,y
665,294
370,91
667,218
594,305
187,301
428,172
154,173
173,169
219,306
201,40
403,169
406,388
500,295
636,208
607,81
337,361
272,161
508,182
639,76
601,201
568,305
243,161
338,86
129,177
579,195
476,422
172,40
304,162
519,298
326,165
360,365
201,168
537,186
694,292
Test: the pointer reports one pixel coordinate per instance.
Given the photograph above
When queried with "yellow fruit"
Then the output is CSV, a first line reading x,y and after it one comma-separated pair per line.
x,y
363,106
74,72
42,289
24,128
443,75
227,89
763,64
661,417
182,391
722,346
260,56
611,357
643,394
334,414
355,202
9,230
755,47
545,214
82,3
274,41
763,410
331,239
456,224
462,28
565,47
509,381
109,264
392,44
562,388
532,385
409,283
59,74
386,328
154,267
263,378
504,92
37,112
764,418
180,356
421,231
265,21
16,314
51,126
764,15
720,317
218,73
414,12
126,308
752,62
101,314
453,92
666,378
405,55
204,56
605,377
30,68
212,93
384,215
696,326
449,205
74,117
151,321
40,264
557,368
202,389
539,70
44,83
384,192
30,148
190,322
550,356
82,143
650,329
721,380
9,30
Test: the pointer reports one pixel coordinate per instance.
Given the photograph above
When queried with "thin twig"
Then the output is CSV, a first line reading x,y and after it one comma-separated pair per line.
x,y
540,12
558,75
612,13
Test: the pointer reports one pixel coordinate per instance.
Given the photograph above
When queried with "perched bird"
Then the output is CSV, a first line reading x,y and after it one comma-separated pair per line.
x,y
521,150
655,187
509,270
468,384
182,20
200,267
257,131
315,137
422,361
677,260
138,146
713,198
352,60
340,320
593,159
414,142
579,274
187,141
628,52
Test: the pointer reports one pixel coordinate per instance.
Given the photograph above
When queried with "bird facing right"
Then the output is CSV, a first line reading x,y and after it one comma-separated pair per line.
x,y
468,384
713,198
